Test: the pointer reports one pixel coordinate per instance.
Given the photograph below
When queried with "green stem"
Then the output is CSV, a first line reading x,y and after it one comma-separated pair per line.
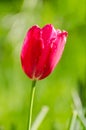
x,y
31,104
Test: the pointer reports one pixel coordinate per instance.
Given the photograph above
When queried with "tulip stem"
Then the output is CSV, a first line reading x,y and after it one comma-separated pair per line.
x,y
31,104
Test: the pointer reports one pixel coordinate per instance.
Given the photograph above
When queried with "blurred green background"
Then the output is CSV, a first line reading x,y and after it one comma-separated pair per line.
x,y
16,16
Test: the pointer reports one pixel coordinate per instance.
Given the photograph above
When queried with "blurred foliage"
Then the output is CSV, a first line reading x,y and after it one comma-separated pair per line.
x,y
55,91
82,92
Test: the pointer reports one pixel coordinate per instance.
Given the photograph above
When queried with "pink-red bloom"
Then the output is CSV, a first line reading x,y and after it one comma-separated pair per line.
x,y
42,50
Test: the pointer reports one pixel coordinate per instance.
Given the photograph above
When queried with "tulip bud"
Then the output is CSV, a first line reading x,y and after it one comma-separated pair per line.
x,y
42,50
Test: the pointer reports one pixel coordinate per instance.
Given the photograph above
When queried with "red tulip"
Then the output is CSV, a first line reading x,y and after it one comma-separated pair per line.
x,y
42,50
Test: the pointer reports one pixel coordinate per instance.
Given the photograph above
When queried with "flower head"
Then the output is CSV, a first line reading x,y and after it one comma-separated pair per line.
x,y
42,50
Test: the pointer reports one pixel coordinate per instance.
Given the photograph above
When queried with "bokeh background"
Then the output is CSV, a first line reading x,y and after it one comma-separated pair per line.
x,y
56,92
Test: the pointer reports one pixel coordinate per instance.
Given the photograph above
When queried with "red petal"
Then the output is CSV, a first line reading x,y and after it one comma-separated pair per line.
x,y
42,49
48,32
31,51
54,54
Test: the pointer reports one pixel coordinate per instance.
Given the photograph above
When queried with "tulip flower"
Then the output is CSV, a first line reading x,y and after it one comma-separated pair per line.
x,y
42,50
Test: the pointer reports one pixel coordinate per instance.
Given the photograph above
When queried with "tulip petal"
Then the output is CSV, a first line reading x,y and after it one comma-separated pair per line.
x,y
48,32
48,35
31,51
42,50
54,54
